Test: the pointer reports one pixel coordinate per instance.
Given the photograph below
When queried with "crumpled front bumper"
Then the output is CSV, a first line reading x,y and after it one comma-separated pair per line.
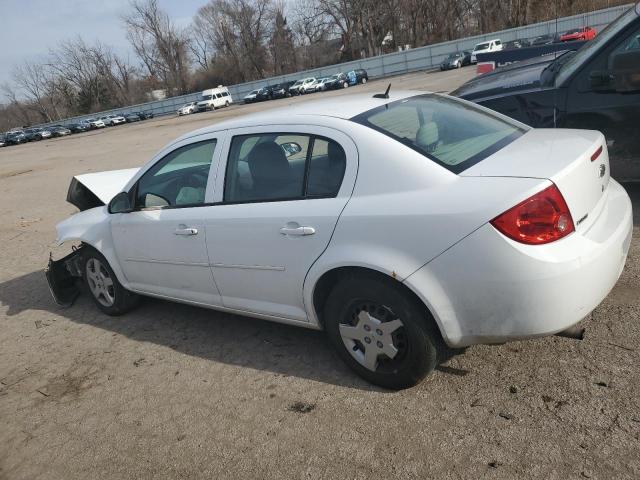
x,y
62,277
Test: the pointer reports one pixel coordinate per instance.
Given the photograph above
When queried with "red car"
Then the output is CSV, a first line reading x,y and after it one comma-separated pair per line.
x,y
584,33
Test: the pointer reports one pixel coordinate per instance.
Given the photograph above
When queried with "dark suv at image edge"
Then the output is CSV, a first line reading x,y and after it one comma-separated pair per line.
x,y
596,88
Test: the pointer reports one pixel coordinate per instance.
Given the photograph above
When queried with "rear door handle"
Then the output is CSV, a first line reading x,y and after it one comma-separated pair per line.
x,y
297,231
185,231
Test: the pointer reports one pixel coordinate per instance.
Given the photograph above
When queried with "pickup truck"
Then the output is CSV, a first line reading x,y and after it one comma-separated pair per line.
x,y
596,87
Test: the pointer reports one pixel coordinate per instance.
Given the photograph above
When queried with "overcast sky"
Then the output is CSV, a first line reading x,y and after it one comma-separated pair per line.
x,y
29,28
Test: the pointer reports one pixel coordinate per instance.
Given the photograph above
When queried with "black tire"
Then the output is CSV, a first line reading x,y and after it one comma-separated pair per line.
x,y
122,300
417,341
364,80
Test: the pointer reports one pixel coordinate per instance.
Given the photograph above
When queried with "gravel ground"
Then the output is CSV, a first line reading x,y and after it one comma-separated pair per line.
x,y
172,391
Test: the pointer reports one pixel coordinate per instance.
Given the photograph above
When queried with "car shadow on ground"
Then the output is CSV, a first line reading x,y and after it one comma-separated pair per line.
x,y
216,336
633,189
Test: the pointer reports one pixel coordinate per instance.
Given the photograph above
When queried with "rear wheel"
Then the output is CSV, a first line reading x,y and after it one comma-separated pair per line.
x,y
381,332
364,80
107,292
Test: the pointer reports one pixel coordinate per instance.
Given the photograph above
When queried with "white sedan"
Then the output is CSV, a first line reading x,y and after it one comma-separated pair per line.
x,y
113,120
188,109
397,223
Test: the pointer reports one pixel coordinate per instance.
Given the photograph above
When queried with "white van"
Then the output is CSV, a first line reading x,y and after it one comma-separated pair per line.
x,y
215,98
486,47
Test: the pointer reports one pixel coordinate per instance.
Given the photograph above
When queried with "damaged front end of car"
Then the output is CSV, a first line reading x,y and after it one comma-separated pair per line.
x,y
63,277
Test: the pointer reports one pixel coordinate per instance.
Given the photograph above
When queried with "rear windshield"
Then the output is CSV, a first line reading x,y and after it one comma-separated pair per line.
x,y
482,46
452,133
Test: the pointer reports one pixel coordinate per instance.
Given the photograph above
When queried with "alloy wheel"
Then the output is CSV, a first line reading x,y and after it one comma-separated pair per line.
x,y
100,282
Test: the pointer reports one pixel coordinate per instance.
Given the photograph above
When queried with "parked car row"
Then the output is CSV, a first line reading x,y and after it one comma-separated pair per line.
x,y
487,46
23,135
307,85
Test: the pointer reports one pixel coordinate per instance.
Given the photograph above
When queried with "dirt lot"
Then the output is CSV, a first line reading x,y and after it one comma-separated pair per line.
x,y
171,391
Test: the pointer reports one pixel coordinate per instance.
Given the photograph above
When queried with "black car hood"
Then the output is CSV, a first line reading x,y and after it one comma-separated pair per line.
x,y
519,76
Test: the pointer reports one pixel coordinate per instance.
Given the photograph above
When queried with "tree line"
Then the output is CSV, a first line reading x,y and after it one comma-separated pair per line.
x,y
234,41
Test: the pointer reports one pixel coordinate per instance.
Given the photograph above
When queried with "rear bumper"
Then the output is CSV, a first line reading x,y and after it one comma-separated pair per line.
x,y
490,289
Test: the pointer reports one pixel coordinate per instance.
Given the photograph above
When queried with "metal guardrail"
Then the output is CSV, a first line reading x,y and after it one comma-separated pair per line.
x,y
421,58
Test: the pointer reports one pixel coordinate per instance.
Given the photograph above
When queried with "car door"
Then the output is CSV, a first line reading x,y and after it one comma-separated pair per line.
x,y
279,193
161,244
605,96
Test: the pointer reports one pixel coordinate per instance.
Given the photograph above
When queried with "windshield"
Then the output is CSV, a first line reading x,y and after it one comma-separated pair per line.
x,y
482,46
570,32
594,45
207,97
452,133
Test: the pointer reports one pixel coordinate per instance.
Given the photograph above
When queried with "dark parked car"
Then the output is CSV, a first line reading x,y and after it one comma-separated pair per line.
x,y
59,131
357,76
132,117
456,60
37,133
265,93
521,43
144,115
596,87
543,40
78,127
281,90
14,138
339,80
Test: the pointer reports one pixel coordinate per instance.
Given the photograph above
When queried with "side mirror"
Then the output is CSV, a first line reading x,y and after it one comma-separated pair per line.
x,y
291,148
120,203
625,68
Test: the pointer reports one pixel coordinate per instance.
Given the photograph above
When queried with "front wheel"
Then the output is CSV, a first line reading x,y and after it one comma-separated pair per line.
x,y
381,331
107,292
364,80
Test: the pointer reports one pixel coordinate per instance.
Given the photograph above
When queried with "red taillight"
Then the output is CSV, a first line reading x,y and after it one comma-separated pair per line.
x,y
596,154
542,218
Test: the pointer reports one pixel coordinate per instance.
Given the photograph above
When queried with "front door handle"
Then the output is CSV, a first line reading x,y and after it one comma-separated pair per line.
x,y
297,231
185,231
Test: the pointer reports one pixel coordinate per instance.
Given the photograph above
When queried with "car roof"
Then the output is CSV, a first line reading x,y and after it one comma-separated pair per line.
x,y
342,107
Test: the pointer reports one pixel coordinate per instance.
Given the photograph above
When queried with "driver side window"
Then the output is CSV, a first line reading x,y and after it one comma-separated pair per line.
x,y
179,179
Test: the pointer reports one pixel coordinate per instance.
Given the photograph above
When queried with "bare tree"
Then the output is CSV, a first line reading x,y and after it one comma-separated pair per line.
x,y
282,42
159,44
236,33
35,81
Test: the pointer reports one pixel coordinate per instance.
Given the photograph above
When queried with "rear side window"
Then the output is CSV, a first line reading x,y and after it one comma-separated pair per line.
x,y
454,134
282,166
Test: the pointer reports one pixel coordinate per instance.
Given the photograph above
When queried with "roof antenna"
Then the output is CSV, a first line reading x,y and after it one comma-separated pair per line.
x,y
383,95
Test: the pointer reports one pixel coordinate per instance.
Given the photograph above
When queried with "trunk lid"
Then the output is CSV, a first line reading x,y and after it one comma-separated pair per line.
x,y
562,156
